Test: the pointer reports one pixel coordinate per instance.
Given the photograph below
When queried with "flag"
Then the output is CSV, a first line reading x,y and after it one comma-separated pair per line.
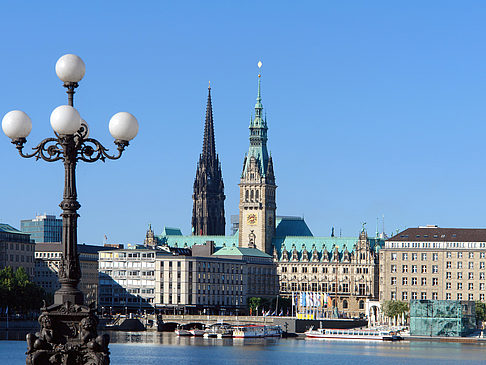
x,y
106,238
274,312
281,312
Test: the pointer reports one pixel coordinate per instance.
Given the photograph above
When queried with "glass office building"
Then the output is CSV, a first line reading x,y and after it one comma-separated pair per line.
x,y
43,228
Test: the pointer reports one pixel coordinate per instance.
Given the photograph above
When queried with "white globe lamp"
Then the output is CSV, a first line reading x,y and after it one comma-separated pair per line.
x,y
65,120
70,68
123,126
16,124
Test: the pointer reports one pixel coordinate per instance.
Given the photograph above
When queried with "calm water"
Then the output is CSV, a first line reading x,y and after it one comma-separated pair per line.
x,y
166,349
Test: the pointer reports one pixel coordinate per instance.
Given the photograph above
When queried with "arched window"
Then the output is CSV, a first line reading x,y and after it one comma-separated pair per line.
x,y
246,195
361,304
345,304
251,195
256,195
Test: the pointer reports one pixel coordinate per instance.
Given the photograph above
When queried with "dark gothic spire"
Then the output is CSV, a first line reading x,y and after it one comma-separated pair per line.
x,y
208,210
209,148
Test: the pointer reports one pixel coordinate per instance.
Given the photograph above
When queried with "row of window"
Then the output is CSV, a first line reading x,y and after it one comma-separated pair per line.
x,y
435,296
324,270
435,256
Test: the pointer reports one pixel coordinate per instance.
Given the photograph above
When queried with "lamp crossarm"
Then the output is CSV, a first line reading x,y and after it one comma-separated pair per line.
x,y
91,150
49,149
88,149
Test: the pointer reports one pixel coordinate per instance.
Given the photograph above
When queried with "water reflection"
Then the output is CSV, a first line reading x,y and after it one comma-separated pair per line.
x,y
169,338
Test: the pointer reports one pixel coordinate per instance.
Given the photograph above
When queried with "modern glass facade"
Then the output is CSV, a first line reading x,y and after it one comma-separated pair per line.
x,y
442,317
43,228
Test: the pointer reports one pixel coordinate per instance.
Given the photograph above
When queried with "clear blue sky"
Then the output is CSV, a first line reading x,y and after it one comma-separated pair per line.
x,y
374,108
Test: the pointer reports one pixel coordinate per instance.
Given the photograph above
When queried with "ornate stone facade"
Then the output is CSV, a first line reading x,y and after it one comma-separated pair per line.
x,y
257,187
208,209
354,269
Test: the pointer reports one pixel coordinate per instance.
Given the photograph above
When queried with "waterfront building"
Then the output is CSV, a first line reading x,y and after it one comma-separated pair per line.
x,y
43,228
47,258
306,263
208,197
16,249
194,280
434,263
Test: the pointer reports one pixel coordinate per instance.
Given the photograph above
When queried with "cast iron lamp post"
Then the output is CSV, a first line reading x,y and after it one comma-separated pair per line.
x,y
68,328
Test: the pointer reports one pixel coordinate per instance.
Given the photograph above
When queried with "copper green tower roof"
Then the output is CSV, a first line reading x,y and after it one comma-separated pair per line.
x,y
258,136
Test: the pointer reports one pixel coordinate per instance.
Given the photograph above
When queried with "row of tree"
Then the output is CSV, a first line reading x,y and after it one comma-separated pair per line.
x,y
18,293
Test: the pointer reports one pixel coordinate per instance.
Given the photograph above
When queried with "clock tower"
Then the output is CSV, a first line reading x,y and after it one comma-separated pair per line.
x,y
257,187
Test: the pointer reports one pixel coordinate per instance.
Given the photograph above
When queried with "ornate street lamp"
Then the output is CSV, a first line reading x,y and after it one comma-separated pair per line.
x,y
68,328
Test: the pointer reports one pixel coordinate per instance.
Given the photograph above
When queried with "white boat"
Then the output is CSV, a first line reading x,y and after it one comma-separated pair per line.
x,y
197,332
210,334
255,331
352,334
182,332
224,332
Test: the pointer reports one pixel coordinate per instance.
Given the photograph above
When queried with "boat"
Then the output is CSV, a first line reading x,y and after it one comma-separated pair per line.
x,y
256,331
352,334
210,334
182,332
224,332
197,332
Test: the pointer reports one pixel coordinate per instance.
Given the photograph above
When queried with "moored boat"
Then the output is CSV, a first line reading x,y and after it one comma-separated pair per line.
x,y
182,332
255,331
352,334
197,332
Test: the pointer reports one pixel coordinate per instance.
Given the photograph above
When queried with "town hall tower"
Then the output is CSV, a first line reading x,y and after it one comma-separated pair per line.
x,y
257,187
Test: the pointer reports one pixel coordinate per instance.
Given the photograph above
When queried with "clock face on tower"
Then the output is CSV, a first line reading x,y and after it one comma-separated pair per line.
x,y
251,219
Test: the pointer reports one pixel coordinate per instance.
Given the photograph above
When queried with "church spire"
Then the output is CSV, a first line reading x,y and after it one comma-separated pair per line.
x,y
209,148
208,198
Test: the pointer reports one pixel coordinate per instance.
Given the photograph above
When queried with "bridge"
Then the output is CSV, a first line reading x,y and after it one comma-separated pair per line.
x,y
169,321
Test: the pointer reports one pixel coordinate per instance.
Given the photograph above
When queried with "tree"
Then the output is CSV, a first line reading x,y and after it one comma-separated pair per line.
x,y
394,308
480,311
18,293
254,303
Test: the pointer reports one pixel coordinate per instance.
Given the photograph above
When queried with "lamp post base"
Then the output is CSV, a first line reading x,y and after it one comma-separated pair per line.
x,y
68,336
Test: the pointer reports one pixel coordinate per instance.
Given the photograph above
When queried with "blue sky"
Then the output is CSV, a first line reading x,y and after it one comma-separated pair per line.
x,y
374,108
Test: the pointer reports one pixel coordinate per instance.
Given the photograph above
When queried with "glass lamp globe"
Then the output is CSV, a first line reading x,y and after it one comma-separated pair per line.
x,y
16,124
70,68
123,126
65,120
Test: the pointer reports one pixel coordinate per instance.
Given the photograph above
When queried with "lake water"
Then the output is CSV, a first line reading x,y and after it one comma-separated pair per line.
x,y
167,349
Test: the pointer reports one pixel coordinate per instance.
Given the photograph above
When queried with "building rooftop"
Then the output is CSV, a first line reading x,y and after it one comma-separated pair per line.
x,y
6,228
240,251
292,226
437,234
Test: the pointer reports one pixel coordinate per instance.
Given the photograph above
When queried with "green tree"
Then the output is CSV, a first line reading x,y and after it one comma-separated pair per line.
x,y
480,311
18,293
254,303
395,308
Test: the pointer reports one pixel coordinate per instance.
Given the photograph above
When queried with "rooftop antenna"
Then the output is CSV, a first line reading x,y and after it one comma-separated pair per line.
x,y
377,234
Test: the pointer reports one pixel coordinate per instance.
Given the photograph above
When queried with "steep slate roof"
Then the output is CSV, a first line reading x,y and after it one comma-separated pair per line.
x,y
169,231
436,234
291,226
